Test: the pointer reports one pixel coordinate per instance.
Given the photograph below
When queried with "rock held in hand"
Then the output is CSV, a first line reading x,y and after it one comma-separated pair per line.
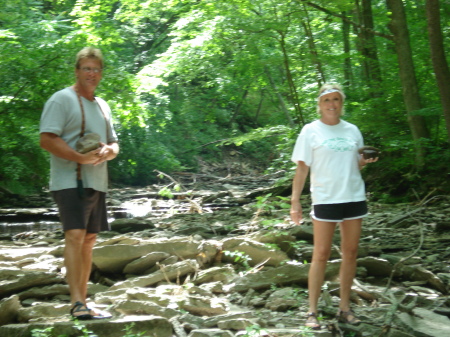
x,y
369,152
88,142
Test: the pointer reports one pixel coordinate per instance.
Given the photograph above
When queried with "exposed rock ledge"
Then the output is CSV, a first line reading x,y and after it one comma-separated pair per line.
x,y
180,285
186,276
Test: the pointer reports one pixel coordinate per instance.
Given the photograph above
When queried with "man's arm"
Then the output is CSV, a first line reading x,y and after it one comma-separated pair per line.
x,y
58,147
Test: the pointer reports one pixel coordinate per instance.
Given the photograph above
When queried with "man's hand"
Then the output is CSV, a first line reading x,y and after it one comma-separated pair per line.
x,y
91,157
105,152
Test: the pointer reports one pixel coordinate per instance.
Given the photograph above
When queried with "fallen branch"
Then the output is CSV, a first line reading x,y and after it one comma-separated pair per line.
x,y
195,205
394,268
422,203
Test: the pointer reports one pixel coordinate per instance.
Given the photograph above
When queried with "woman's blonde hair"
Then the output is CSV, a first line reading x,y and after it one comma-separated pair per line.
x,y
89,52
329,88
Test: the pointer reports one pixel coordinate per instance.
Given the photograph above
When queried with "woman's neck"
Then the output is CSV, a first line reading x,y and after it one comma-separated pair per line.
x,y
330,121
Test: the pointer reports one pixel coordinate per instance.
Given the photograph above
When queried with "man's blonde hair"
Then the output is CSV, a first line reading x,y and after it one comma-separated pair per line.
x,y
89,52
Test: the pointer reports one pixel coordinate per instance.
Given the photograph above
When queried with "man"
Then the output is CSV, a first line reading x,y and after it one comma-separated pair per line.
x,y
78,181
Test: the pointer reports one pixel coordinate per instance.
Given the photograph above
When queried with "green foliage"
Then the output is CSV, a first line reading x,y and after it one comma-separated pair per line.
x,y
83,329
142,150
47,332
166,192
239,257
129,331
188,79
255,331
268,203
42,332
296,245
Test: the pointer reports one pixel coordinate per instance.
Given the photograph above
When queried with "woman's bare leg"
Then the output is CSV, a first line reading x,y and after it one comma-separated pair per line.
x,y
350,234
323,238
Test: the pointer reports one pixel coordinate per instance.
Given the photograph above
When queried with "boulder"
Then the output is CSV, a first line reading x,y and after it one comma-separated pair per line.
x,y
235,324
140,265
284,275
9,309
43,310
375,266
134,307
114,258
283,299
210,333
425,323
14,281
224,274
257,252
154,325
168,273
131,225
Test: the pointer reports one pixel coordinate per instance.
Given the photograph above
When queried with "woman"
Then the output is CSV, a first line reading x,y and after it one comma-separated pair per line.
x,y
329,147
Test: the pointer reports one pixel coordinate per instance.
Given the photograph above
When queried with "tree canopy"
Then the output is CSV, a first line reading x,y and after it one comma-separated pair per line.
x,y
188,80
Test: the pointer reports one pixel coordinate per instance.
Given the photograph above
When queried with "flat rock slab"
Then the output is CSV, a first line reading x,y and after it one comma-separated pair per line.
x,y
426,323
262,332
148,325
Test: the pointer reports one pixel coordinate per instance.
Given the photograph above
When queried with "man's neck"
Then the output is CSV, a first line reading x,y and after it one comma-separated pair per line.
x,y
88,94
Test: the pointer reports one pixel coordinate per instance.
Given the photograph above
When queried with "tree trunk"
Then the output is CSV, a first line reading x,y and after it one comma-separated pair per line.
x,y
399,29
312,48
292,87
347,49
369,50
280,98
238,108
259,108
438,58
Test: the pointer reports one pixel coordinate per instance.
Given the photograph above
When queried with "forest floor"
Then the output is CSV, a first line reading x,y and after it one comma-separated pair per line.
x,y
416,235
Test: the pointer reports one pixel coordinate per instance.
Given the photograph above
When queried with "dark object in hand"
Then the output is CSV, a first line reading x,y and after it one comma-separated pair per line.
x,y
88,142
369,152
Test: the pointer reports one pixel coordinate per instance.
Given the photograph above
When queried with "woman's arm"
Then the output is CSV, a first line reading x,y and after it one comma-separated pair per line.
x,y
301,173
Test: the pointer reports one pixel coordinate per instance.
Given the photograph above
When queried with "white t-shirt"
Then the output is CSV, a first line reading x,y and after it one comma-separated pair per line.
x,y
331,152
62,116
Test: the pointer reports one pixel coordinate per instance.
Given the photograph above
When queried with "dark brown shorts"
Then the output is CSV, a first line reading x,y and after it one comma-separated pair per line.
x,y
87,213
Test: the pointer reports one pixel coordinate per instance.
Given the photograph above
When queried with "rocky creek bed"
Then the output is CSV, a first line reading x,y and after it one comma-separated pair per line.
x,y
221,258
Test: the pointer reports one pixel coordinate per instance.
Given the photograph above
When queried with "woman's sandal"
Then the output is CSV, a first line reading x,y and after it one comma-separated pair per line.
x,y
312,321
347,317
80,307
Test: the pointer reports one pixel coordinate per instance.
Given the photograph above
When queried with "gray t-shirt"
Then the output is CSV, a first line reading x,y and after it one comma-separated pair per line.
x,y
62,116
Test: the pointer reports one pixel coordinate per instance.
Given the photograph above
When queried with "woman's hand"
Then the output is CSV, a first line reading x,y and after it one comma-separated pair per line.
x,y
363,162
296,212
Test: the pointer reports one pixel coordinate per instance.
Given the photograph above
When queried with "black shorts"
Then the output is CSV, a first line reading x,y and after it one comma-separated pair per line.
x,y
339,212
88,212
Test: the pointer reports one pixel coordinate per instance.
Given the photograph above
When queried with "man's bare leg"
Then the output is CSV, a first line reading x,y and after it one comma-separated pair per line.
x,y
78,262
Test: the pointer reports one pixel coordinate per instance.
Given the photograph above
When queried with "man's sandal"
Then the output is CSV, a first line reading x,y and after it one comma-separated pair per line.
x,y
347,317
79,307
96,314
312,321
